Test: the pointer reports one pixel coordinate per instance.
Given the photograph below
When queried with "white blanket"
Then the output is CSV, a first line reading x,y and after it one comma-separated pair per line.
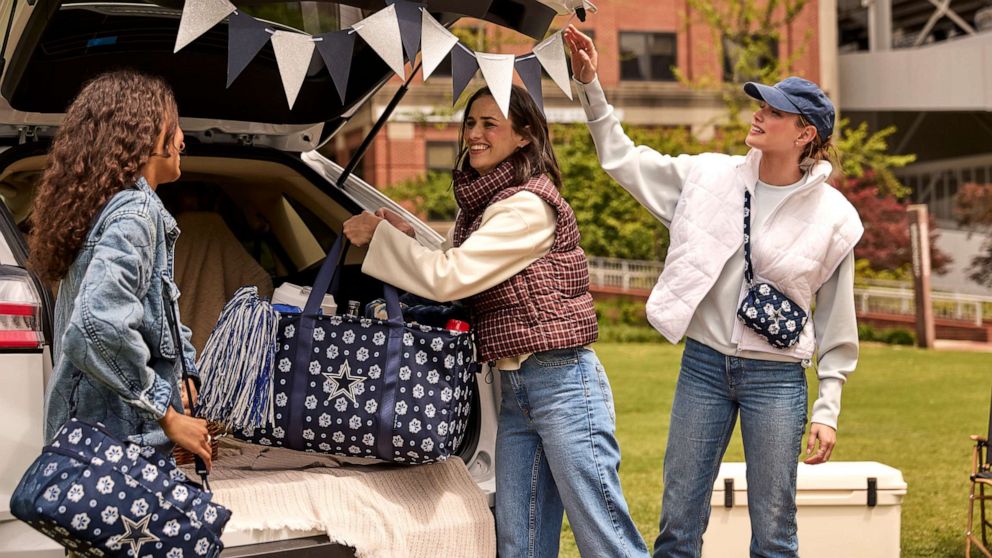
x,y
379,510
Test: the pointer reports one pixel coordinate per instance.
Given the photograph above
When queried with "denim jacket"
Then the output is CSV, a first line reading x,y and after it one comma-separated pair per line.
x,y
115,354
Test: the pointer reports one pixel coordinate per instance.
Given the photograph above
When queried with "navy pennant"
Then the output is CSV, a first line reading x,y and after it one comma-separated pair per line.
x,y
410,20
529,70
245,37
336,49
463,69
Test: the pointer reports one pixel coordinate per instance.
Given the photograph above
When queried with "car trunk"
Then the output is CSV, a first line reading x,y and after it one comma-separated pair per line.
x,y
272,216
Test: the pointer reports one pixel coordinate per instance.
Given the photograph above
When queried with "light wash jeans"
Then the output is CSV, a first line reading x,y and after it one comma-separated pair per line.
x,y
771,399
556,451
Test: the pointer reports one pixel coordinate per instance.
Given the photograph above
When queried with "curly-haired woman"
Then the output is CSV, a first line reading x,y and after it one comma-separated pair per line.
x,y
100,232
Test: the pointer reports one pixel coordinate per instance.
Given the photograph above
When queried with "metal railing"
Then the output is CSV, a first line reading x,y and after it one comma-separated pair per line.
x,y
876,296
946,305
626,275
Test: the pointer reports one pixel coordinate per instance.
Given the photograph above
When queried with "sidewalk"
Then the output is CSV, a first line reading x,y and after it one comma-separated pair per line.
x,y
968,346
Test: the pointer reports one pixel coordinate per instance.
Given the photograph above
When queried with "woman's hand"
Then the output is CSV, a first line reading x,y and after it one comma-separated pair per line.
x,y
828,439
360,228
189,433
395,220
585,59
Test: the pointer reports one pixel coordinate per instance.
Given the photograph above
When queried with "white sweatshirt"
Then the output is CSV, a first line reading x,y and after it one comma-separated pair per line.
x,y
713,322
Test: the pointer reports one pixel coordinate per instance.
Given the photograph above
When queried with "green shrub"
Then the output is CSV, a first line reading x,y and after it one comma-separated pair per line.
x,y
892,336
867,333
622,333
618,311
898,336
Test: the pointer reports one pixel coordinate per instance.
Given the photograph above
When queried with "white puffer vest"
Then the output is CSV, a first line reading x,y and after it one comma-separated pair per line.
x,y
798,247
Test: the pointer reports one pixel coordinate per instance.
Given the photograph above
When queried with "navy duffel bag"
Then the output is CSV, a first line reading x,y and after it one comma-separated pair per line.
x,y
343,385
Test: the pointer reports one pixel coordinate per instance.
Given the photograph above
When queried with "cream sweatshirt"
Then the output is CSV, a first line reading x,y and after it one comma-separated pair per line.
x,y
514,233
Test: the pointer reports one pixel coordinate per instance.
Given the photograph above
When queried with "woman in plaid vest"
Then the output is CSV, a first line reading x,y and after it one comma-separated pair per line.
x,y
514,257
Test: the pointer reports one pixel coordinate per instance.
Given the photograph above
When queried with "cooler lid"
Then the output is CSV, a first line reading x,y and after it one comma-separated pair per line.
x,y
833,475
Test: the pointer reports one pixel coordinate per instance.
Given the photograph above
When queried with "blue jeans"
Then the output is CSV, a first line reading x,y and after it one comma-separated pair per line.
x,y
771,399
556,451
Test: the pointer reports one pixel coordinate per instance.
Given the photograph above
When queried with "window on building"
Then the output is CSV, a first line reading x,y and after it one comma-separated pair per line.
x,y
441,155
647,56
744,57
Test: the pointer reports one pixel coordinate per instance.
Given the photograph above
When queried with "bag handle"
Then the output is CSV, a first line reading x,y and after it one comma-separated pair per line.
x,y
173,316
327,283
748,268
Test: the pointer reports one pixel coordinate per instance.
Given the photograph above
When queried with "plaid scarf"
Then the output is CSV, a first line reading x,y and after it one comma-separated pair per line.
x,y
473,192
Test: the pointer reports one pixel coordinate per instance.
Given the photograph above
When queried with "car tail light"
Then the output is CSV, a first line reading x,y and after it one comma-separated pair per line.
x,y
20,311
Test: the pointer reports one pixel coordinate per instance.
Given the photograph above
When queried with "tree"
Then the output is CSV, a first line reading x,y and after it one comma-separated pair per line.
x,y
974,208
428,197
611,221
886,244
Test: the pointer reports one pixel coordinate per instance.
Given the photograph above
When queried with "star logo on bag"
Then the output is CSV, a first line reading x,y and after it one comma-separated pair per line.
x,y
136,534
342,383
777,316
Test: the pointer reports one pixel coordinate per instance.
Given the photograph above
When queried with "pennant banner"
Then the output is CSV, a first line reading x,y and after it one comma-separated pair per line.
x,y
408,16
198,17
436,43
381,31
551,53
335,49
293,54
245,37
497,69
463,69
529,70
394,33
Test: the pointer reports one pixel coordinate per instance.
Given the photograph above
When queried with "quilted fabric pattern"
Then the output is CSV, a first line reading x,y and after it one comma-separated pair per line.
x,y
99,497
352,399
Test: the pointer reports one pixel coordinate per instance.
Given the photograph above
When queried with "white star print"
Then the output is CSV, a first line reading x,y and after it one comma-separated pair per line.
x,y
342,383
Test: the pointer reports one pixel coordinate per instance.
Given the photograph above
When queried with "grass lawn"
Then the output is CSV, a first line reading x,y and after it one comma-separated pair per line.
x,y
907,408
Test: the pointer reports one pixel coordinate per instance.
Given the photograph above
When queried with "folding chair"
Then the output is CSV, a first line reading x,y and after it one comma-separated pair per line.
x,y
981,477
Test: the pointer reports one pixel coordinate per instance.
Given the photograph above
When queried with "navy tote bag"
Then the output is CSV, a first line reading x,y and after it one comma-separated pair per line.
x,y
343,385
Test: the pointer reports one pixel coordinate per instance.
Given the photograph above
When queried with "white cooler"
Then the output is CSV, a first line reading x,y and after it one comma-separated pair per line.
x,y
849,509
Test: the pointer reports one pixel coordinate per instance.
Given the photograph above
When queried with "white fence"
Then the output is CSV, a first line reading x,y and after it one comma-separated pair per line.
x,y
884,297
626,275
900,300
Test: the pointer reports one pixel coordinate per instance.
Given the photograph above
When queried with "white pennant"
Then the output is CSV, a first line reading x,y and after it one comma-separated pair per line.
x,y
435,43
497,69
293,54
551,53
381,31
198,17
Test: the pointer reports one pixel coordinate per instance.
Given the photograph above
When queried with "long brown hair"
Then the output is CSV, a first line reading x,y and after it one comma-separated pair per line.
x,y
535,158
110,131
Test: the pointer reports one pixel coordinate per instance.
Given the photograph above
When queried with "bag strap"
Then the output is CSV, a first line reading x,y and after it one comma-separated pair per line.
x,y
173,316
327,282
748,270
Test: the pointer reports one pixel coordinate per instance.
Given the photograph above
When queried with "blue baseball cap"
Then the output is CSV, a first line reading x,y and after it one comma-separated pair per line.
x,y
798,96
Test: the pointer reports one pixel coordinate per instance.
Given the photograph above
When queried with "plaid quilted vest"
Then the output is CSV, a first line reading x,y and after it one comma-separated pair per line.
x,y
547,305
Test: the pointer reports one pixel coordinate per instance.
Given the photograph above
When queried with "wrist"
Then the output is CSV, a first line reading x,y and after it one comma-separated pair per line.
x,y
166,419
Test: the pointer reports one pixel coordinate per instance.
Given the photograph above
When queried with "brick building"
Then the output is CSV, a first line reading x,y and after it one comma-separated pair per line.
x,y
639,43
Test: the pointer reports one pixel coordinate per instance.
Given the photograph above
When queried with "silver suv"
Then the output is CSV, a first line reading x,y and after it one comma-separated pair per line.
x,y
251,164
